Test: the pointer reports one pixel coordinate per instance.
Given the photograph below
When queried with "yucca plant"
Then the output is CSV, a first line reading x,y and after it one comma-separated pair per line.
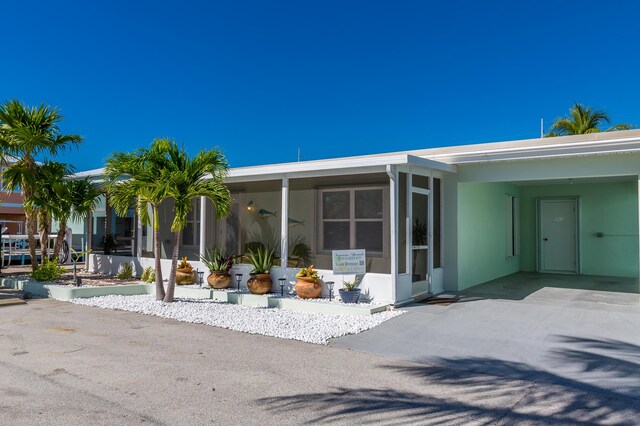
x,y
261,259
215,259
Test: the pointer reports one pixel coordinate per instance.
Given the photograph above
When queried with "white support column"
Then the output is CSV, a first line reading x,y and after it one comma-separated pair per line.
x,y
393,227
410,220
430,236
88,240
203,225
284,224
138,248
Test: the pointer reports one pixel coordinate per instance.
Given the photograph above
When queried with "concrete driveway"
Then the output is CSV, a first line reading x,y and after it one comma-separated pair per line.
x,y
64,364
581,331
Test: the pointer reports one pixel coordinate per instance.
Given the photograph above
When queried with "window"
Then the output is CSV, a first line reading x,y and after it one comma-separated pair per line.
x,y
353,218
191,231
512,225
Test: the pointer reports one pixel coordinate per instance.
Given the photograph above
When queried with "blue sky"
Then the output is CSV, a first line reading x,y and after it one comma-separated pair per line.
x,y
261,78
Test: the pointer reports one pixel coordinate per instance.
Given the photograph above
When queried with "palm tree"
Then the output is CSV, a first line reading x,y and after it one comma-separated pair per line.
x,y
133,179
76,199
140,178
46,200
186,178
25,133
583,120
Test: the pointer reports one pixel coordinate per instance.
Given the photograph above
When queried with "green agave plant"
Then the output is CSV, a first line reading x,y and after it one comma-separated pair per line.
x,y
261,259
215,259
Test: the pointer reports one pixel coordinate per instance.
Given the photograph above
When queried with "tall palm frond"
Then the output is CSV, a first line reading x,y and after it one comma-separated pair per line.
x,y
583,120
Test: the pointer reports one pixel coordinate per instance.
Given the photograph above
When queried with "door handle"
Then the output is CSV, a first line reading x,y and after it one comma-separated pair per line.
x,y
546,239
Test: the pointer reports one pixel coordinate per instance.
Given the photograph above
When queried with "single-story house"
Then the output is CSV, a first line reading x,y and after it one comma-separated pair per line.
x,y
430,220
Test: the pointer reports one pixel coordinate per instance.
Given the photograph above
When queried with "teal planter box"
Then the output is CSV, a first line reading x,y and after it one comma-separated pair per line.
x,y
257,300
69,292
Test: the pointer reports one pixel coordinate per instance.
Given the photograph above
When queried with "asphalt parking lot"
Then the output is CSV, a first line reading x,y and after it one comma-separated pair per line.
x,y
66,364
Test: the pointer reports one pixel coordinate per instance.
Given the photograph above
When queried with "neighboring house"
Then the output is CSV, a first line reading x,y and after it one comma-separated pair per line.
x,y
12,215
432,220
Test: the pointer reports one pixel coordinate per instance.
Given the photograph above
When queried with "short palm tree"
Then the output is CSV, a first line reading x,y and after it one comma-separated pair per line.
x,y
25,133
185,178
582,120
133,179
146,177
76,199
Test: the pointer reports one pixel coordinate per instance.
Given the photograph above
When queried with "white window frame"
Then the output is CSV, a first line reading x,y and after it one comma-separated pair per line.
x,y
353,220
197,222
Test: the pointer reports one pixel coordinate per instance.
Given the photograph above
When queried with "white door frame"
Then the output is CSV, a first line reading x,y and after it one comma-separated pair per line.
x,y
539,236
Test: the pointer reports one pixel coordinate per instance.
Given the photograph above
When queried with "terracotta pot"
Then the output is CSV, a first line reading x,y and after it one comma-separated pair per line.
x,y
308,288
219,279
259,283
185,276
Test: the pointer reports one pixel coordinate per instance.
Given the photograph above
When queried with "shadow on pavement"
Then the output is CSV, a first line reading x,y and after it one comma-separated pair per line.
x,y
458,391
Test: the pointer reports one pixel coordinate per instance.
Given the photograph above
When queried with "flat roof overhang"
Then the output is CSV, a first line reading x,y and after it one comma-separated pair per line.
x,y
333,167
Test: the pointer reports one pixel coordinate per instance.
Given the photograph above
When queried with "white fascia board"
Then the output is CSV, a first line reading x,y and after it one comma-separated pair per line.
x,y
602,146
333,167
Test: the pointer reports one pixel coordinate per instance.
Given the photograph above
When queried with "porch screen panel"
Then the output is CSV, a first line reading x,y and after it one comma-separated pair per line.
x,y
402,223
437,223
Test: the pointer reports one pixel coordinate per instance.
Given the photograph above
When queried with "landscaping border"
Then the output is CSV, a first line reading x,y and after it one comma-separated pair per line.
x,y
66,293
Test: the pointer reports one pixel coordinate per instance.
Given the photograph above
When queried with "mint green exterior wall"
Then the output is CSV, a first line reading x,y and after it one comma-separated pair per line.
x,y
610,208
481,233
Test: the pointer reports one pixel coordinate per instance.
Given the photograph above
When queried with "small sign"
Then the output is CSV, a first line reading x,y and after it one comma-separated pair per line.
x,y
348,262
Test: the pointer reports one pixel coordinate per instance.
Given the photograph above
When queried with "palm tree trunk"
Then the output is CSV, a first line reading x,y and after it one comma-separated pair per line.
x,y
60,237
156,248
44,236
31,231
174,266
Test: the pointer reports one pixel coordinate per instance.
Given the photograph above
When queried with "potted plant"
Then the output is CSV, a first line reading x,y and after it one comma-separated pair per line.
x,y
261,259
219,266
308,286
185,273
109,242
350,293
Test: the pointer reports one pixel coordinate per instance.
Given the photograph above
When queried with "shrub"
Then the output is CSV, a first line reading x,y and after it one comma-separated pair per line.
x,y
125,272
48,271
148,275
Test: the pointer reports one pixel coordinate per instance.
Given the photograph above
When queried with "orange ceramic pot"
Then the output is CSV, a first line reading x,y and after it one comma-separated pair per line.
x,y
219,279
259,283
308,288
185,276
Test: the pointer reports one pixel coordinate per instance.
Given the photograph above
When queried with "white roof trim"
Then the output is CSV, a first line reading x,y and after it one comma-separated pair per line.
x,y
347,165
611,146
443,158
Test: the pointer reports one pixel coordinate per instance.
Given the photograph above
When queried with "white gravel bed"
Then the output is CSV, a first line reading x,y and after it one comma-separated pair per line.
x,y
307,327
337,301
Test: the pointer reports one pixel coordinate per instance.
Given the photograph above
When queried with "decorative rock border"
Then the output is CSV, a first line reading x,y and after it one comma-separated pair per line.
x,y
67,293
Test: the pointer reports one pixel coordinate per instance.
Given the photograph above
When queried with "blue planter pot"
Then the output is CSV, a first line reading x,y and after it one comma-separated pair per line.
x,y
350,296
